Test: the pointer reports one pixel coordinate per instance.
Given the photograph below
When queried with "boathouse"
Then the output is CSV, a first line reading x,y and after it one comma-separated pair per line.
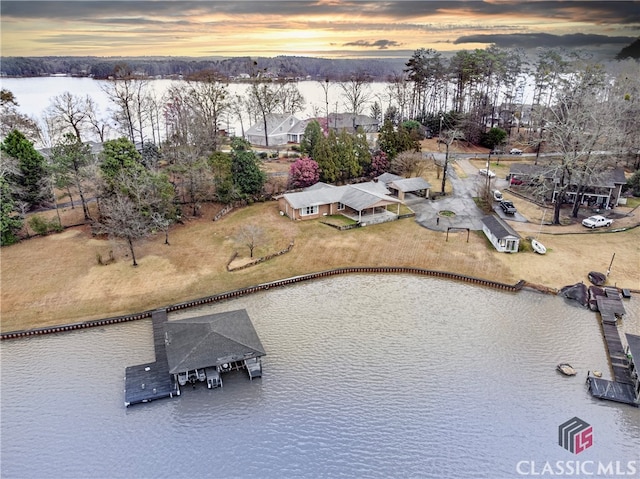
x,y
204,347
194,350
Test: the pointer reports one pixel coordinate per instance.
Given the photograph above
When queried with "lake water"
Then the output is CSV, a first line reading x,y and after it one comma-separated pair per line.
x,y
34,95
365,376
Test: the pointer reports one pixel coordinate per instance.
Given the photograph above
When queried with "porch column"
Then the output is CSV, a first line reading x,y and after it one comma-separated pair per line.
x,y
398,205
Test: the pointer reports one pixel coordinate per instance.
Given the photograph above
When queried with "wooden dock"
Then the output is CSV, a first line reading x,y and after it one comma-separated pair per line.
x,y
147,382
622,388
611,390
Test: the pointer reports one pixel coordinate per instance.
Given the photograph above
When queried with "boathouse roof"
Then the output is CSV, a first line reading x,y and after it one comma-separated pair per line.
x,y
211,340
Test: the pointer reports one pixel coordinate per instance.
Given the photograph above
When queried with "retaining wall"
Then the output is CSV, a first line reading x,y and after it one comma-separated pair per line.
x,y
263,287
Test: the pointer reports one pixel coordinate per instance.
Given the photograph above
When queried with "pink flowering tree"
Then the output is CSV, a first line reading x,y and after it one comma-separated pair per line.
x,y
303,172
379,164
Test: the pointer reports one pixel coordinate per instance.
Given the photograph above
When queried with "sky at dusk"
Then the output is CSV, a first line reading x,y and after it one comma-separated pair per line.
x,y
324,28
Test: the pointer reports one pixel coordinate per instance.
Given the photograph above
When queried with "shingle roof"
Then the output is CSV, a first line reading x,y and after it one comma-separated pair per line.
x,y
277,123
498,227
358,197
410,184
210,340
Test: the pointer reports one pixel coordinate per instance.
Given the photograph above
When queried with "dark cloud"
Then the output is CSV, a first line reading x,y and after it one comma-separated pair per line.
x,y
379,44
534,40
604,12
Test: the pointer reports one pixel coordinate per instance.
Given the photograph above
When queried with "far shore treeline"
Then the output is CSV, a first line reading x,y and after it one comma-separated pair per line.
x,y
284,66
281,66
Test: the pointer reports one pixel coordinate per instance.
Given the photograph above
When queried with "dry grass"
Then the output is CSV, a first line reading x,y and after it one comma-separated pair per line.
x,y
57,279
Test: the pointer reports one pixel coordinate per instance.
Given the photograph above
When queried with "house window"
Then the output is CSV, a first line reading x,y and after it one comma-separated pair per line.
x,y
309,210
340,206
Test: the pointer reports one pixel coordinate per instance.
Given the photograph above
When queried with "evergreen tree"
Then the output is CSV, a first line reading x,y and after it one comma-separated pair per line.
x,y
344,153
10,221
245,168
362,151
312,134
70,158
324,156
32,178
220,164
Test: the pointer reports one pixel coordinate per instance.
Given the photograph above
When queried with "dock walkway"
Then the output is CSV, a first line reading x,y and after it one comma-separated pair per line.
x,y
147,382
621,389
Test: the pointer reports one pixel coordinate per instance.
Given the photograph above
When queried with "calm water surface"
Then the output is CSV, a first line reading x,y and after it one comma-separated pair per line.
x,y
365,376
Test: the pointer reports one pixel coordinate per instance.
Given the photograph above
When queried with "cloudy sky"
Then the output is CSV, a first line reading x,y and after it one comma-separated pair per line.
x,y
323,28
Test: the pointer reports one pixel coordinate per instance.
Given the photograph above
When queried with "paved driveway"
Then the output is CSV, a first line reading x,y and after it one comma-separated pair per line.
x,y
460,202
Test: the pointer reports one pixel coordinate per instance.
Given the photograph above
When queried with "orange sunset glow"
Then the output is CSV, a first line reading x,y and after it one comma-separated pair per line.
x,y
338,29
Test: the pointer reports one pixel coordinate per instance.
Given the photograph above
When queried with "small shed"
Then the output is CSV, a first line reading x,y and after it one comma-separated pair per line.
x,y
205,346
502,236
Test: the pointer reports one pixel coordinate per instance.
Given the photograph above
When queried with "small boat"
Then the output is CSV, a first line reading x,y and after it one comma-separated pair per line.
x,y
566,369
597,278
538,247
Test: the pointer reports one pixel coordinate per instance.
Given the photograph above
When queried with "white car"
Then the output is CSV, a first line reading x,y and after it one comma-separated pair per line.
x,y
515,151
497,195
596,221
487,172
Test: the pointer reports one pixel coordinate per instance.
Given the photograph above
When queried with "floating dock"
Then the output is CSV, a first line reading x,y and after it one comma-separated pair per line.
x,y
151,381
625,388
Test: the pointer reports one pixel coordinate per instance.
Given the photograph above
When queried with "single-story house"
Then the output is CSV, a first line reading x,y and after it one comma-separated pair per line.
x,y
281,129
364,202
399,186
602,189
502,236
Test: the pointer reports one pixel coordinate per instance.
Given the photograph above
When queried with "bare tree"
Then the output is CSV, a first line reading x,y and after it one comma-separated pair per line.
x,y
291,100
141,203
583,121
264,97
69,111
251,236
356,94
409,164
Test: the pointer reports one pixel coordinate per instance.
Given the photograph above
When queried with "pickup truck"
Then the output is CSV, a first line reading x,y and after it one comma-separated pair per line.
x,y
507,207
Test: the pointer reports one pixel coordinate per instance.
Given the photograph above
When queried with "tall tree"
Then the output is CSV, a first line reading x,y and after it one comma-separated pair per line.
x,y
11,119
32,176
326,159
264,97
312,134
70,159
356,94
10,218
140,203
69,111
245,168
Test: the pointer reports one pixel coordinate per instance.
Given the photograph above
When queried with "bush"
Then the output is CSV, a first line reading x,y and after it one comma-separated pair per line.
x,y
43,227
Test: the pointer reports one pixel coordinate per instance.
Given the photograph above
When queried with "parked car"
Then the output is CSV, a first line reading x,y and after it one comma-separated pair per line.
x,y
497,151
515,151
497,195
487,172
507,207
596,221
515,181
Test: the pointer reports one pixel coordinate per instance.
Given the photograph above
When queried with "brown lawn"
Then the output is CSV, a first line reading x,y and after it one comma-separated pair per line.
x,y
57,279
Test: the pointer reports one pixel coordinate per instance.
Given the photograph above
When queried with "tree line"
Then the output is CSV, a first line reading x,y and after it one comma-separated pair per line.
x,y
170,158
